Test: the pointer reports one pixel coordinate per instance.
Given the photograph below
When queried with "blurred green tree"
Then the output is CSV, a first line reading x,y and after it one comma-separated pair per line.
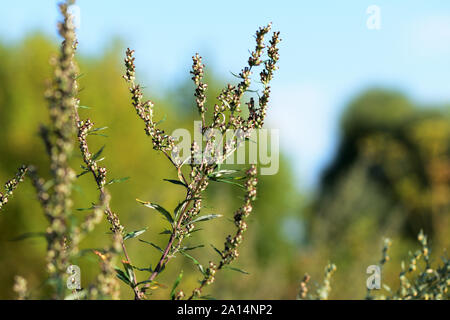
x,y
405,152
390,177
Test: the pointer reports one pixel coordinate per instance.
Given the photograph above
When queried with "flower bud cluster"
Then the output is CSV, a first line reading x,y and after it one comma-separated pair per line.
x,y
12,184
58,138
200,90
161,141
230,252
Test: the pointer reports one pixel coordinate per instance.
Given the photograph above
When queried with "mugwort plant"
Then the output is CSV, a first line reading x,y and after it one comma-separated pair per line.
x,y
67,131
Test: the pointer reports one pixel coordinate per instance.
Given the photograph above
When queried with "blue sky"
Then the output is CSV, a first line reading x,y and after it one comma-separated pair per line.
x,y
327,54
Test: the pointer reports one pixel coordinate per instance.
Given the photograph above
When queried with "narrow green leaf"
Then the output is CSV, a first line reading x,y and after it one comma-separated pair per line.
x,y
85,209
118,180
160,209
153,245
200,267
29,235
236,269
175,285
83,173
192,248
234,178
129,270
98,129
228,181
216,250
122,276
149,269
99,152
83,107
79,76
134,234
98,134
164,118
178,182
205,218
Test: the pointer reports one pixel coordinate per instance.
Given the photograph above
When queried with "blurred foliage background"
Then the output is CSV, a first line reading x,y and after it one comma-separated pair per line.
x,y
390,177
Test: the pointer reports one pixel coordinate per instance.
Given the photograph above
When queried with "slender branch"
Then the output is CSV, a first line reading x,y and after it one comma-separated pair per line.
x,y
162,261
